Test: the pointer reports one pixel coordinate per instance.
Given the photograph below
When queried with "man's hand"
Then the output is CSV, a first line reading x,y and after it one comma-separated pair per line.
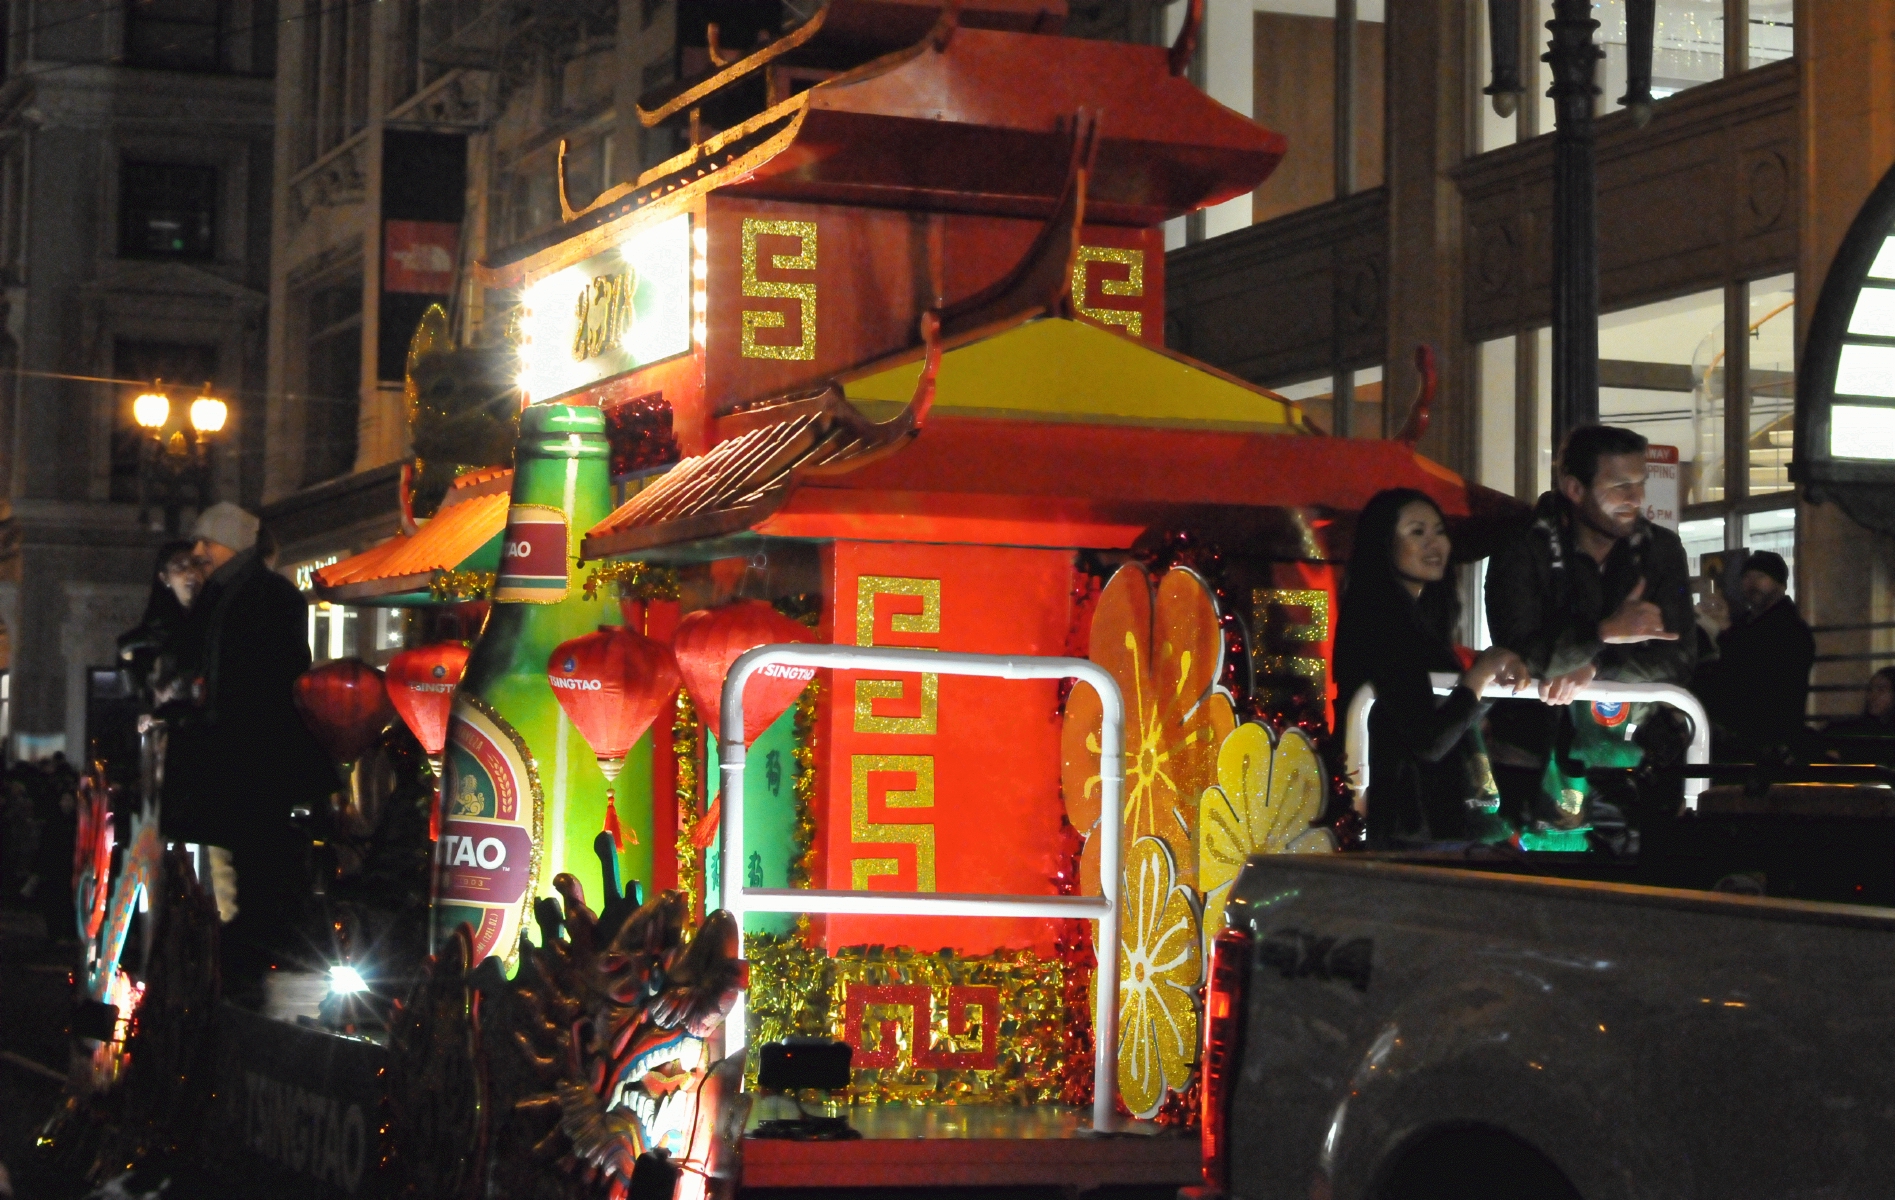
x,y
1559,690
1638,620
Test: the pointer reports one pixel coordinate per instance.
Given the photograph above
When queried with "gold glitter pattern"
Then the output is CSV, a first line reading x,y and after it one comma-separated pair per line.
x,y
797,990
928,620
868,691
1129,319
1267,793
1159,972
603,314
862,830
765,289
1266,608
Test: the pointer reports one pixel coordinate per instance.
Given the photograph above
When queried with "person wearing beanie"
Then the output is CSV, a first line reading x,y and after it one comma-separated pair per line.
x,y
1758,689
239,758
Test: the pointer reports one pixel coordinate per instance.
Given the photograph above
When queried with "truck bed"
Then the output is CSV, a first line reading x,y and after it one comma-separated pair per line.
x,y
1640,1041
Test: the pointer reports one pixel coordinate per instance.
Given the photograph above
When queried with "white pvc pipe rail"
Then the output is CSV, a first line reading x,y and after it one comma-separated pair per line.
x,y
1356,748
738,899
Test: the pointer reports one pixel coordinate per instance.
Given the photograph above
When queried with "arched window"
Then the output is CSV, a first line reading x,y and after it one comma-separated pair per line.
x,y
1845,400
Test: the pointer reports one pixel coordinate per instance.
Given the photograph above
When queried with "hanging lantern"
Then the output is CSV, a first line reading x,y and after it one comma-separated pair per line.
x,y
710,640
345,705
421,685
612,685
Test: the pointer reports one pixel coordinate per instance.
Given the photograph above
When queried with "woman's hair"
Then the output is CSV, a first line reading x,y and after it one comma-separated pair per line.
x,y
1372,580
161,605
1887,673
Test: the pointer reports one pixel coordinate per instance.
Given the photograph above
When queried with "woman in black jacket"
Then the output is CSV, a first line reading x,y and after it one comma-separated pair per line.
x,y
1428,773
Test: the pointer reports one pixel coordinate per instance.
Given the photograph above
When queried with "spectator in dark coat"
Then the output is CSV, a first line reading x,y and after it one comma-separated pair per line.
x,y
1428,773
1758,689
149,651
1591,590
240,758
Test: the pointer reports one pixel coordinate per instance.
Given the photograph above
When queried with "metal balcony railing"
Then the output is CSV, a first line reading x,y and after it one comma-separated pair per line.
x,y
1356,724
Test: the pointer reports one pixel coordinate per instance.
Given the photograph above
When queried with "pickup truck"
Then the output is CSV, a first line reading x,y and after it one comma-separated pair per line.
x,y
1379,1028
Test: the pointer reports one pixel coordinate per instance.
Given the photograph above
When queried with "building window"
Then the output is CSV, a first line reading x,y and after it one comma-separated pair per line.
x,y
1712,374
332,382
1363,416
182,366
178,35
1303,48
167,211
1693,42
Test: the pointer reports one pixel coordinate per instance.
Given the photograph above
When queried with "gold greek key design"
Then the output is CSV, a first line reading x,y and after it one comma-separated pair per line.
x,y
1130,319
603,314
764,289
1275,632
928,620
863,831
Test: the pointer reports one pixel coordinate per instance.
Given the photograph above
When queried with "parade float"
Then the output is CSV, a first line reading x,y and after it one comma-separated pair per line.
x,y
877,363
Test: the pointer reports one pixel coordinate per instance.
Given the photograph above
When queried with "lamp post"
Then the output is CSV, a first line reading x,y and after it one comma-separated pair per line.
x,y
174,462
1572,56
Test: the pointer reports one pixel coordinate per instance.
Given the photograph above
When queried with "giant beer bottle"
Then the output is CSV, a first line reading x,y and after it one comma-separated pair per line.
x,y
522,795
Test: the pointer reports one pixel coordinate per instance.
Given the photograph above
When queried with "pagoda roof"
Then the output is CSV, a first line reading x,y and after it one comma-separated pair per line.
x,y
464,535
1052,433
964,120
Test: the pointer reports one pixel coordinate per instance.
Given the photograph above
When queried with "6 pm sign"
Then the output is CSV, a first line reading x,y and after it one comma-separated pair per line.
x,y
1661,486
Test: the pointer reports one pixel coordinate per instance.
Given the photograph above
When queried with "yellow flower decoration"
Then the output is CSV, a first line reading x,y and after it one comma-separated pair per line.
x,y
1166,656
1263,802
1160,967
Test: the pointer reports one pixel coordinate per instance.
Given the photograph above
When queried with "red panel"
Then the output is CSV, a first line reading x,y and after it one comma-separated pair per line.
x,y
992,818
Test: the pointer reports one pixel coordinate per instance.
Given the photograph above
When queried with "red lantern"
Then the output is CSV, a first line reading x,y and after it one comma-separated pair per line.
x,y
345,705
612,685
421,685
710,640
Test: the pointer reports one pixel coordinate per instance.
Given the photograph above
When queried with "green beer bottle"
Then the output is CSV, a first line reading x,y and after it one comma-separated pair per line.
x,y
522,796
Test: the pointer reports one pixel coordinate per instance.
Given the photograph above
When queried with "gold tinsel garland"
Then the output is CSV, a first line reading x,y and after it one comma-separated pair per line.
x,y
684,752
454,586
796,990
636,581
803,789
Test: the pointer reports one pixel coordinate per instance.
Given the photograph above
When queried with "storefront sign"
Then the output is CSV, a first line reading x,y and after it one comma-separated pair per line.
x,y
1661,486
615,312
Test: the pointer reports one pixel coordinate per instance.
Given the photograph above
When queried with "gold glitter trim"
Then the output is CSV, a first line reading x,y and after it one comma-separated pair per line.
x,y
1130,319
863,831
485,709
798,991
1273,632
685,733
868,691
765,289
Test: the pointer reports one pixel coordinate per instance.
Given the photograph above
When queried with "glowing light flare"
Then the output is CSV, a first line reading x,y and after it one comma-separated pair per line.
x,y
345,980
152,410
208,414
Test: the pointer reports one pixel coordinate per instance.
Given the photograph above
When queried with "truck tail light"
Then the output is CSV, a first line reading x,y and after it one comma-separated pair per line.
x,y
1223,1044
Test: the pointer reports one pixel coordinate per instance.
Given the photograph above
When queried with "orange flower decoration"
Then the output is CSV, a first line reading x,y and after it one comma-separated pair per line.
x,y
1167,655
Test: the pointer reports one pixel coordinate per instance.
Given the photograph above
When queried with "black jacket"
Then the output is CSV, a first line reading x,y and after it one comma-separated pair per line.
x,y
1546,598
1420,746
1758,688
239,756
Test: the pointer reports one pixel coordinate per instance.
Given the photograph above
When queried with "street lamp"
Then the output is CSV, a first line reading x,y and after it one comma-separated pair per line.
x,y
174,465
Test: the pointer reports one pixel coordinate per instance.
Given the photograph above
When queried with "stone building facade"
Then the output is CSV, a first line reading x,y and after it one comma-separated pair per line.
x,y
135,200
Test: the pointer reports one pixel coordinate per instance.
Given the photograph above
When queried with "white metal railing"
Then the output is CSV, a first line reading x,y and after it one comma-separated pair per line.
x,y
738,899
1356,748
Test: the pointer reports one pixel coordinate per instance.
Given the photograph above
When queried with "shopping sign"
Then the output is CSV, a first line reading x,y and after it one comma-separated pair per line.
x,y
1661,486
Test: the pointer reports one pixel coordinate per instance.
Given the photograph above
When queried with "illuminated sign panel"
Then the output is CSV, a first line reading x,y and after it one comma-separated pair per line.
x,y
617,311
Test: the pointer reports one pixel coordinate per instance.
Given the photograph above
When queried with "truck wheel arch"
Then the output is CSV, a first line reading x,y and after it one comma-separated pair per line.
x,y
1472,1162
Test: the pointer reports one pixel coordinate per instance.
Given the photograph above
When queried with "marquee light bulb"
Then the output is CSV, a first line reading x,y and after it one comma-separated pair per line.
x,y
346,980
